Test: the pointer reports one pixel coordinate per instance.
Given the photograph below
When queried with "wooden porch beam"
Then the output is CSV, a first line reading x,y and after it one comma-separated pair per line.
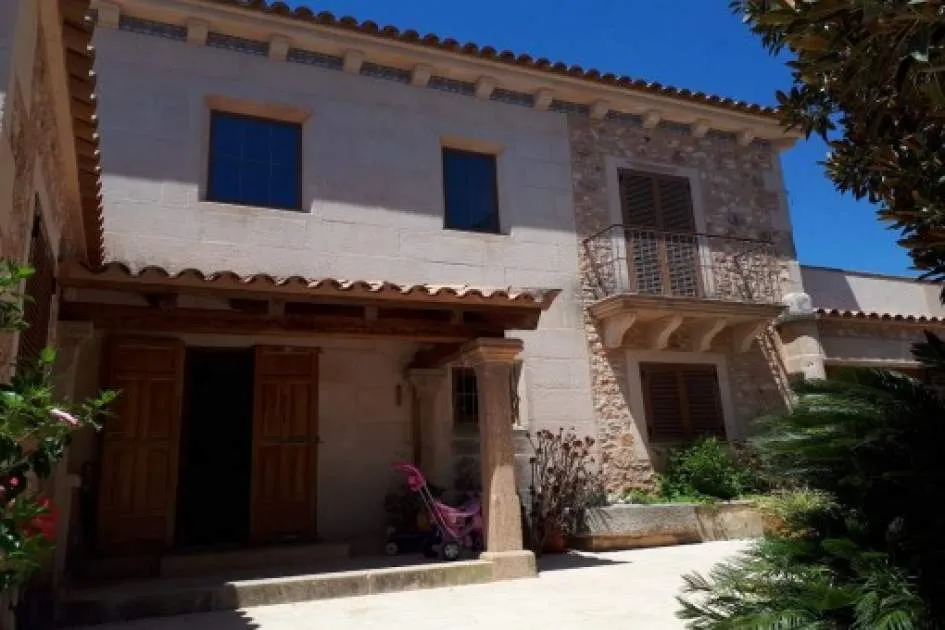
x,y
190,320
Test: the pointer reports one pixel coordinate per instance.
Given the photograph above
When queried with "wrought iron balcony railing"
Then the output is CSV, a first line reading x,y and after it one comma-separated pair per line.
x,y
639,261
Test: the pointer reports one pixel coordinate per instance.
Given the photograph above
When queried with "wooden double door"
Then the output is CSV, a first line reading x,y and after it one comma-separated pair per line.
x,y
139,474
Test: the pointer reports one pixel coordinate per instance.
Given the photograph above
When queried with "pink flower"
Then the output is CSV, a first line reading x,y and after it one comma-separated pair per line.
x,y
62,416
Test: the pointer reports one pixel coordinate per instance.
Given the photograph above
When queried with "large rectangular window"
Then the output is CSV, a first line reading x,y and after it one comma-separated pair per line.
x,y
471,191
255,162
682,401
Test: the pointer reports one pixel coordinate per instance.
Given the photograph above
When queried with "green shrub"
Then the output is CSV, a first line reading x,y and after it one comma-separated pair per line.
x,y
707,468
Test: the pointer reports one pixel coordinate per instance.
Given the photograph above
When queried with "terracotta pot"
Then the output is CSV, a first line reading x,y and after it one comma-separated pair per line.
x,y
556,543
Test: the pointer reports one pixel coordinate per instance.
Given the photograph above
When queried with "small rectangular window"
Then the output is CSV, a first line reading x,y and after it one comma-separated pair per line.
x,y
465,397
471,191
255,162
682,401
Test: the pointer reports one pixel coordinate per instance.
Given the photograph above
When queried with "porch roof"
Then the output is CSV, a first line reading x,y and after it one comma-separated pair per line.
x,y
153,279
874,316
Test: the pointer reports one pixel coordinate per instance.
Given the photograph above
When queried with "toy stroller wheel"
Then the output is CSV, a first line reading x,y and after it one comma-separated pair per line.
x,y
391,548
450,551
429,548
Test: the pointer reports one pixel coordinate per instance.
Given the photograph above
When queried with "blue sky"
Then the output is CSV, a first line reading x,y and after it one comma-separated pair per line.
x,y
696,44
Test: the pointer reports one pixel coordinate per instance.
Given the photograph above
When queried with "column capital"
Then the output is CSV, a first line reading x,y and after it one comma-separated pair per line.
x,y
487,350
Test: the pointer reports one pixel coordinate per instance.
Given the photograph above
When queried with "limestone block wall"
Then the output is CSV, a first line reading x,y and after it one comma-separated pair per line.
x,y
737,191
372,189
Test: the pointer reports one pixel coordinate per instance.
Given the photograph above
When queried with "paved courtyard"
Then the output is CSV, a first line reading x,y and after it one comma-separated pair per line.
x,y
607,591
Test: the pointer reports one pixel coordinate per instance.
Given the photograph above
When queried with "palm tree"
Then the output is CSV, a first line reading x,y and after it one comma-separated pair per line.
x,y
858,540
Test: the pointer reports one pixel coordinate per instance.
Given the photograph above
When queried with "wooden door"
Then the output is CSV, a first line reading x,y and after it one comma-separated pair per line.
x,y
285,443
138,477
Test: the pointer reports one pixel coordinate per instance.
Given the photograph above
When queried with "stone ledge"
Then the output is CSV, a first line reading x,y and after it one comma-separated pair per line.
x,y
633,526
166,598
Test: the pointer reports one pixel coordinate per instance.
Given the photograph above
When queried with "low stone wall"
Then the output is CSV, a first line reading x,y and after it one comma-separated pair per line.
x,y
632,526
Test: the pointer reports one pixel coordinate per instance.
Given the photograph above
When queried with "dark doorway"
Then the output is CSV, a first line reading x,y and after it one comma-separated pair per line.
x,y
213,495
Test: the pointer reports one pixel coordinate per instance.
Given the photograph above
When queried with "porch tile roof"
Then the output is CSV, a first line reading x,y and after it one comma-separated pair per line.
x,y
117,274
77,29
877,316
368,27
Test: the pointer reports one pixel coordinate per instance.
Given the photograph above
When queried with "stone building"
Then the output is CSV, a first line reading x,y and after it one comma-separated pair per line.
x,y
328,247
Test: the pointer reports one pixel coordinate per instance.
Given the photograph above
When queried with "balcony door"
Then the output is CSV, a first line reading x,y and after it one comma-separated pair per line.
x,y
660,229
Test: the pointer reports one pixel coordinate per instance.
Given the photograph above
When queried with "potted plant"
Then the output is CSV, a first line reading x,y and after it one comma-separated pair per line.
x,y
564,484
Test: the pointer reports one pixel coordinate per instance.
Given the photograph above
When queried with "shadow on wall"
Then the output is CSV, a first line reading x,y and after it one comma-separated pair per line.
x,y
829,288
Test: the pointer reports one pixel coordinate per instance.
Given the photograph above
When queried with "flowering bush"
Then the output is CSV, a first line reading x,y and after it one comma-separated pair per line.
x,y
34,431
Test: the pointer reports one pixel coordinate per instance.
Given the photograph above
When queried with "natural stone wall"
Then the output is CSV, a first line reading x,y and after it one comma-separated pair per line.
x,y
32,138
739,192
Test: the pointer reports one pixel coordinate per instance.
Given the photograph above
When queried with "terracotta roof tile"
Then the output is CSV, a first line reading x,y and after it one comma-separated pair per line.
x,y
876,316
488,52
114,274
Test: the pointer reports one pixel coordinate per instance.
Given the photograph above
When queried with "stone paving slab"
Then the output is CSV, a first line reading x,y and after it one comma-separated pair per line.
x,y
601,591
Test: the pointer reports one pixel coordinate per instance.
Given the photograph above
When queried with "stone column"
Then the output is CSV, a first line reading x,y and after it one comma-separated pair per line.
x,y
70,338
433,448
492,360
800,338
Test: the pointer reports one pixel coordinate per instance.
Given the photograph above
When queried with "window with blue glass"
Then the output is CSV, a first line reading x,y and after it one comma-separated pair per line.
x,y
469,180
255,162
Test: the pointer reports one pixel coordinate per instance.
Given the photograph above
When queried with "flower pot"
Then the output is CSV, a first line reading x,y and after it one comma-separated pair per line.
x,y
556,543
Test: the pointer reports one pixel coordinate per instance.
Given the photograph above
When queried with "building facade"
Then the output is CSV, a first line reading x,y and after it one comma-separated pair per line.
x,y
328,248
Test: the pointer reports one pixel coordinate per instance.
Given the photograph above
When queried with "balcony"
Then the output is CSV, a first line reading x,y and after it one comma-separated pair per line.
x,y
693,286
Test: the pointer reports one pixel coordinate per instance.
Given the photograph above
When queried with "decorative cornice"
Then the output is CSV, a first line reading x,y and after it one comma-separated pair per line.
x,y
576,90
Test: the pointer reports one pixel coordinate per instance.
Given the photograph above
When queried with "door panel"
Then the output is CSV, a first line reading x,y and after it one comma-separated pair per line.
x,y
285,449
139,445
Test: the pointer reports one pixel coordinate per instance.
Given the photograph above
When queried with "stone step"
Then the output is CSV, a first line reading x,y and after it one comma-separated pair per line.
x,y
165,597
216,562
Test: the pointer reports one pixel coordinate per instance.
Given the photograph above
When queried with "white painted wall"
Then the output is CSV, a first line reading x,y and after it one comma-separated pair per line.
x,y
850,290
373,193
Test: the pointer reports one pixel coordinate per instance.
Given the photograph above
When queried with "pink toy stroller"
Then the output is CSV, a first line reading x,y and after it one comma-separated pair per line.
x,y
455,527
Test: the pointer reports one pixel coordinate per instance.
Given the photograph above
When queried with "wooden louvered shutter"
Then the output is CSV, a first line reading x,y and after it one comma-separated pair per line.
x,y
661,202
638,199
661,391
39,291
675,204
662,249
682,401
704,407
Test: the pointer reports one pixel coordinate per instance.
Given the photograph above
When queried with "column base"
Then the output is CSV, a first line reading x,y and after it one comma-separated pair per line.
x,y
511,565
